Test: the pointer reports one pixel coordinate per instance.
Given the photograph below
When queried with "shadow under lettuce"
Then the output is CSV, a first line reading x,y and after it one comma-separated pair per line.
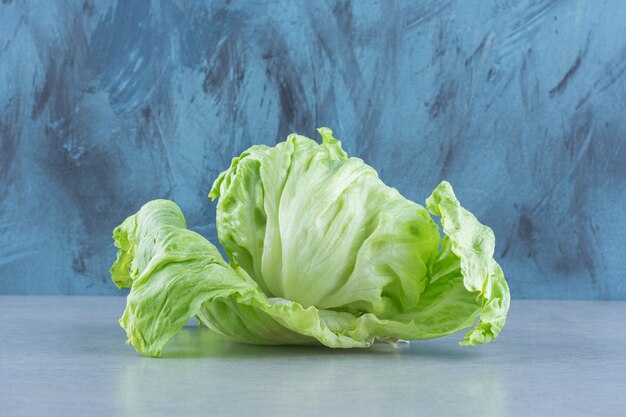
x,y
199,342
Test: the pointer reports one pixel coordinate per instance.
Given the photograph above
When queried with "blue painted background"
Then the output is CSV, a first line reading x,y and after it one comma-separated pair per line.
x,y
520,104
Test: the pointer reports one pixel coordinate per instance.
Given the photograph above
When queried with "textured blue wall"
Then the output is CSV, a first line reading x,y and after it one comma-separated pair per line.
x,y
520,104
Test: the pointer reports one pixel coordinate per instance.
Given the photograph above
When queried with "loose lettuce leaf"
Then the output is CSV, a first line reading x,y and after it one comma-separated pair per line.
x,y
175,274
467,248
321,252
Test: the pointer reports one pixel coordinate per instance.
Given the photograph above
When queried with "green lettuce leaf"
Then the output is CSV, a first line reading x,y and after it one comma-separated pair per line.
x,y
175,274
467,251
321,251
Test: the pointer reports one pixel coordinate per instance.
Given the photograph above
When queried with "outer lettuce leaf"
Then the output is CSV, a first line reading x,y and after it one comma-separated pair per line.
x,y
468,248
175,274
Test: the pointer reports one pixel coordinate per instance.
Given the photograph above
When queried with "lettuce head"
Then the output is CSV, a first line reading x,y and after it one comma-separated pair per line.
x,y
320,251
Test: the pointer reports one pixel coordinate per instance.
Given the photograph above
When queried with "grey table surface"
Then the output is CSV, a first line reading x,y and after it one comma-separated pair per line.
x,y
64,356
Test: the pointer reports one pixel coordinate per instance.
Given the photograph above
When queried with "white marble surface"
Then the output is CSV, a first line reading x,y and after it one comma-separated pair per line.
x,y
65,356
